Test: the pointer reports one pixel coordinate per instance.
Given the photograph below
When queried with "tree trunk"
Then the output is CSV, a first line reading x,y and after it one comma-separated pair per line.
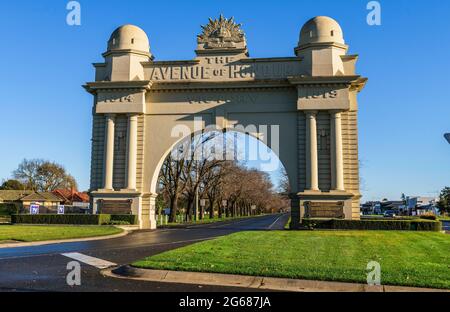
x,y
219,207
173,208
211,208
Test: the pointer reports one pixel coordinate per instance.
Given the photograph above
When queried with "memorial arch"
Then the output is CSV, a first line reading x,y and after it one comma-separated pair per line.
x,y
310,98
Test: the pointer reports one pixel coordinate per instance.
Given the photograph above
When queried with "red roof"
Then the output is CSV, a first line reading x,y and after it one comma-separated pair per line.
x,y
72,196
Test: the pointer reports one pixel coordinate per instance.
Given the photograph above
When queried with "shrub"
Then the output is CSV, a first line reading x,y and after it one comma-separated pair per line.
x,y
428,216
61,219
128,219
87,219
118,222
8,209
385,225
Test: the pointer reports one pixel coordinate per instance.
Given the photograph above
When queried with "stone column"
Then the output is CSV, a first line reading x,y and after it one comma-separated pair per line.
x,y
147,214
109,152
337,163
312,168
132,151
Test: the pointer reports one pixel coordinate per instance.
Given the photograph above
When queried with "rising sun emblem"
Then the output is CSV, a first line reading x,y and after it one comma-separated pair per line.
x,y
221,33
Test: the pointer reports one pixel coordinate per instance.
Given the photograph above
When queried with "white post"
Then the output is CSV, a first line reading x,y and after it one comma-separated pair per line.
x,y
337,163
132,152
312,169
109,152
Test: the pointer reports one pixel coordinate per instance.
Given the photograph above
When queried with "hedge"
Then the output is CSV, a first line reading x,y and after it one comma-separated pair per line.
x,y
384,225
87,219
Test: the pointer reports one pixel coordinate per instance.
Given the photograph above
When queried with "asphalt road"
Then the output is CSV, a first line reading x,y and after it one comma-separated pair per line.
x,y
44,268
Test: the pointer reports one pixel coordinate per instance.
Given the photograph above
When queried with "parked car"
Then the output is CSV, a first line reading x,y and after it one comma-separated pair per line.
x,y
389,214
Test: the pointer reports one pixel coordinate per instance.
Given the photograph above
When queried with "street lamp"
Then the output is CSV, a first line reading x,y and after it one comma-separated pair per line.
x,y
447,137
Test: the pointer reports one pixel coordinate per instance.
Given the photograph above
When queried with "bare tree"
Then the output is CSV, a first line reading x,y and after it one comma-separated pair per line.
x,y
43,176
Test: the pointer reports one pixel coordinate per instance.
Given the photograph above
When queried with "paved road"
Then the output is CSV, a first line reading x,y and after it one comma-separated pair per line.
x,y
43,268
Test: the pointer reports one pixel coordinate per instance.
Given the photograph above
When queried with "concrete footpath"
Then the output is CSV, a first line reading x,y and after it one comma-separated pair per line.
x,y
254,282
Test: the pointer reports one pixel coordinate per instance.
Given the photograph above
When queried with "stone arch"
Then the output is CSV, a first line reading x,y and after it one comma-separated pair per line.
x,y
312,96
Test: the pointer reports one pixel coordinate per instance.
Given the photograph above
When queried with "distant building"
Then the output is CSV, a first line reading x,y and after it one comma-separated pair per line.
x,y
72,197
418,205
23,199
413,205
379,207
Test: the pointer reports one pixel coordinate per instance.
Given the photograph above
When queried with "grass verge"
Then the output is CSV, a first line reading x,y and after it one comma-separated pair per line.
x,y
419,259
206,220
34,233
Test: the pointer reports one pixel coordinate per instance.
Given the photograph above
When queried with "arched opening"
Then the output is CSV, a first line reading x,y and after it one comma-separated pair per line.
x,y
215,174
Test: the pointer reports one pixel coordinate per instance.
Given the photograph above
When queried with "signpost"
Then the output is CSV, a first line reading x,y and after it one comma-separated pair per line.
x,y
34,209
61,209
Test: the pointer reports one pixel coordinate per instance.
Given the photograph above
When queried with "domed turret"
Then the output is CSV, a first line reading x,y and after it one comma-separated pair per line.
x,y
321,29
129,37
128,49
321,47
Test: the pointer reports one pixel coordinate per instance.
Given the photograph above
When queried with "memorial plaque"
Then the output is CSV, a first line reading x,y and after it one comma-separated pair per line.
x,y
332,210
115,206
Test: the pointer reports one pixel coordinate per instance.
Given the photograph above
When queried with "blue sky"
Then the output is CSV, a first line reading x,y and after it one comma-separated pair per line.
x,y
404,109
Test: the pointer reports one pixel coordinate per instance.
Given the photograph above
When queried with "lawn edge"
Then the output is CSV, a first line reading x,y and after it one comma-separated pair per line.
x,y
255,282
69,240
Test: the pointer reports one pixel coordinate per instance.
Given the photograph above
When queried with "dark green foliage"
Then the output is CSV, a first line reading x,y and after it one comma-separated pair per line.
x,y
384,225
74,219
428,217
8,209
124,219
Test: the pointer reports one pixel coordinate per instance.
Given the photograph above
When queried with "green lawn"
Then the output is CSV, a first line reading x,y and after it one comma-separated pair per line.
x,y
33,233
419,259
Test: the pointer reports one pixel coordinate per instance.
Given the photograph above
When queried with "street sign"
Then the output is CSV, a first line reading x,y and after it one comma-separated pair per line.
x,y
447,137
34,209
61,209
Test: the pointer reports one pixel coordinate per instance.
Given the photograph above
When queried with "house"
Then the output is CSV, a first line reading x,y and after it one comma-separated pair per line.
x,y
71,197
13,197
47,200
23,199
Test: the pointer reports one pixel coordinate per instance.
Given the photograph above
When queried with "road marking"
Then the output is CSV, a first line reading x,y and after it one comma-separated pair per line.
x,y
96,262
270,226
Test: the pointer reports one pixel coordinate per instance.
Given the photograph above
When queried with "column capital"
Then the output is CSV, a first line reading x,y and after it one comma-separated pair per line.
x,y
336,112
109,115
311,112
132,115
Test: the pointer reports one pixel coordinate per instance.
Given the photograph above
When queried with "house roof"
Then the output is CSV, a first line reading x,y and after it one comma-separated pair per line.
x,y
69,195
9,195
44,196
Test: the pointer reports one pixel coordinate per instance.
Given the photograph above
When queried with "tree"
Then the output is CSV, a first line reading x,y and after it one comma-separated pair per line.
x,y
12,184
43,176
444,201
